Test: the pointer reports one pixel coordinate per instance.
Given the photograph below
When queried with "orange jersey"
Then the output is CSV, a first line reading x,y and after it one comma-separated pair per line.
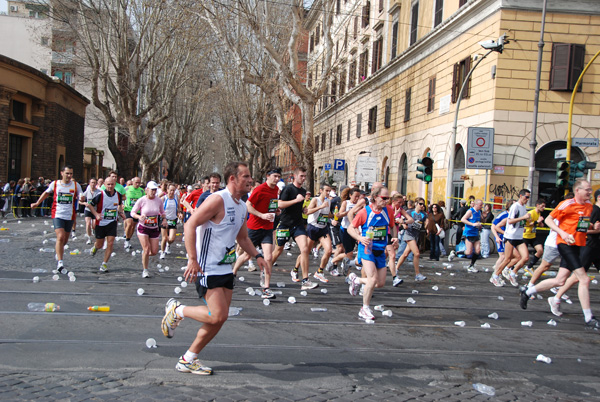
x,y
574,219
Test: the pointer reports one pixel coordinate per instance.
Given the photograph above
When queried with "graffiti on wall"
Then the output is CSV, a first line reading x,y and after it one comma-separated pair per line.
x,y
504,190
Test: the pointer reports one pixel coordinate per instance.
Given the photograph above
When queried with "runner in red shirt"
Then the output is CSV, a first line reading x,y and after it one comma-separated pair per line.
x,y
574,221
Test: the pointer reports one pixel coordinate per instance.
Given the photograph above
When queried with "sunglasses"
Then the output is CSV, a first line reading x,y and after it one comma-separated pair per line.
x,y
528,196
421,204
384,198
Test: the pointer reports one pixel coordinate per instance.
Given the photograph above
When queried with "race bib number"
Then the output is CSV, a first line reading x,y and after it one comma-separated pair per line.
x,y
583,224
132,201
417,225
323,219
64,198
151,221
110,214
229,257
172,222
273,205
283,233
380,233
522,223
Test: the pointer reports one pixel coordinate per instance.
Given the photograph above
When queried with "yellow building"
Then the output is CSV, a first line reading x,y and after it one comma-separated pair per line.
x,y
398,73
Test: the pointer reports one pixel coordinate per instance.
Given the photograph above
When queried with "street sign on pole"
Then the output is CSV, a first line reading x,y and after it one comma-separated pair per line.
x,y
327,167
339,164
560,154
585,142
480,148
366,169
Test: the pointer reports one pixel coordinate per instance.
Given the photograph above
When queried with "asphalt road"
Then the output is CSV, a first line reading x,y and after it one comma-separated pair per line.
x,y
281,351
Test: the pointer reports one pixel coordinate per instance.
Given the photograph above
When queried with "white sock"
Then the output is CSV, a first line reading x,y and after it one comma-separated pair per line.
x,y
556,300
531,290
365,306
587,312
530,284
179,311
189,356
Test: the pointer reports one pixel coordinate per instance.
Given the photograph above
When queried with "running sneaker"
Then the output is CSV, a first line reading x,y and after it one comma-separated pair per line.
x,y
593,324
329,264
59,266
307,285
161,255
335,272
103,267
320,276
472,269
62,270
145,274
555,307
167,249
554,290
420,277
366,314
315,253
267,294
194,367
171,320
353,282
287,246
294,275
127,244
344,266
513,280
523,299
452,255
397,281
496,281
251,266
93,251
361,292
88,241
506,273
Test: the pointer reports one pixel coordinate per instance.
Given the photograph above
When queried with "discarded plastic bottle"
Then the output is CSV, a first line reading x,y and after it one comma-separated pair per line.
x,y
77,252
291,299
324,291
36,279
493,315
370,235
552,322
485,325
435,288
318,309
46,250
47,307
99,308
410,300
542,358
460,323
484,389
526,323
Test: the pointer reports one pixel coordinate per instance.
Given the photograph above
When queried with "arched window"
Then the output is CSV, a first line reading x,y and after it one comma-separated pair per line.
x,y
403,175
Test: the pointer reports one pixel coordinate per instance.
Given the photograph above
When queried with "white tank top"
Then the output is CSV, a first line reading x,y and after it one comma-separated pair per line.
x,y
319,218
346,222
215,243
170,206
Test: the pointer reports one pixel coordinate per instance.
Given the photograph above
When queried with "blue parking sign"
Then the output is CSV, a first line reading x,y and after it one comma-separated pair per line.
x,y
327,167
339,164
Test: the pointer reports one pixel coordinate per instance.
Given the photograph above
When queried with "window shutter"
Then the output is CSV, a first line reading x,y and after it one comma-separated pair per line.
x,y
407,104
455,82
559,73
577,65
394,39
316,144
388,113
358,125
467,91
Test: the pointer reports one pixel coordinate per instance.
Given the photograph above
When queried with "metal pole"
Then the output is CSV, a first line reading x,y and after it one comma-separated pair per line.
x,y
536,100
452,143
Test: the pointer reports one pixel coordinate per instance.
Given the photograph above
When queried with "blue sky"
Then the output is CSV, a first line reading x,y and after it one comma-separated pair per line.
x,y
3,6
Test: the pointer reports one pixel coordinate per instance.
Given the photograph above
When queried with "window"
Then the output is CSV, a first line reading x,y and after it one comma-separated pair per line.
x,y
366,13
377,55
372,120
18,111
346,39
387,123
349,128
330,138
311,46
355,32
414,21
381,5
461,70
462,3
310,80
342,83
358,125
68,78
407,104
568,61
338,135
316,144
431,97
352,75
333,90
363,65
317,34
394,39
338,7
438,13
325,100
323,141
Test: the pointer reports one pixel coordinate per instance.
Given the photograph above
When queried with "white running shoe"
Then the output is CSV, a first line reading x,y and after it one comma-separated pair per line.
x,y
452,255
506,273
496,281
353,284
321,277
162,255
315,253
513,280
554,307
366,314
472,269
145,274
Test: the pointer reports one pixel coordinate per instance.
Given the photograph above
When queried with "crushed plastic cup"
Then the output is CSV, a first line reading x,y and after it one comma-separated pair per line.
x,y
183,268
452,274
184,284
452,287
304,293
594,282
324,291
539,296
493,316
241,279
72,278
249,289
379,307
177,290
36,279
161,270
266,302
500,298
113,254
291,299
167,268
138,251
66,246
19,222
252,293
485,325
387,313
542,358
140,291
460,323
484,389
150,343
415,292
289,254
45,242
55,277
234,311
179,278
438,273
526,323
280,284
410,300
552,322
133,253
158,266
435,288
569,301
258,292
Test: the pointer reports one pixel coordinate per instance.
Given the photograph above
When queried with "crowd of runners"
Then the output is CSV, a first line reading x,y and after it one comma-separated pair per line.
x,y
352,234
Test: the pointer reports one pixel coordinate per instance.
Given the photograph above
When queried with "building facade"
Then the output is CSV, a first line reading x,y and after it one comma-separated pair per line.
x,y
397,78
41,123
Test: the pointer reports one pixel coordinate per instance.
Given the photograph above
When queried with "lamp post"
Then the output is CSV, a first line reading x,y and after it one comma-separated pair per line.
x,y
491,46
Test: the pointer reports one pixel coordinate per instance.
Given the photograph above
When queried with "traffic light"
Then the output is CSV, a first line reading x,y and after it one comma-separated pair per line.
x,y
562,174
426,169
578,170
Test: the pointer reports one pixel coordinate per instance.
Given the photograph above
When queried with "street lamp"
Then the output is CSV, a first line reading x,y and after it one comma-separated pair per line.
x,y
491,46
